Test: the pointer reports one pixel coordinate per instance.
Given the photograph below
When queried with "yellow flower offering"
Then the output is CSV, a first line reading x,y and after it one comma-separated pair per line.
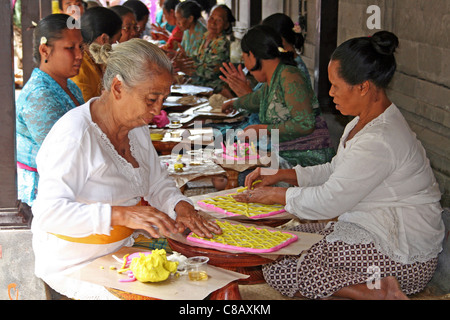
x,y
153,267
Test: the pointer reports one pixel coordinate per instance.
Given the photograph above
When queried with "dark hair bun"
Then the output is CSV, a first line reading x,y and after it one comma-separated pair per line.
x,y
384,42
368,58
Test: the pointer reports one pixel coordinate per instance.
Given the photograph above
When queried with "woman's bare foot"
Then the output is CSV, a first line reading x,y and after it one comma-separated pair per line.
x,y
389,289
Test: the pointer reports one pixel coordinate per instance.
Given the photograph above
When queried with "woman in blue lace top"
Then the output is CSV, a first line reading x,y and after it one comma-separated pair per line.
x,y
48,95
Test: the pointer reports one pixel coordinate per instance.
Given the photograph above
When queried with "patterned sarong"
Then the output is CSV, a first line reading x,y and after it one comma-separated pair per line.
x,y
328,267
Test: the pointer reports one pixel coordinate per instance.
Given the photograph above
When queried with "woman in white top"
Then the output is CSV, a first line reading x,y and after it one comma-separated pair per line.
x,y
380,186
97,163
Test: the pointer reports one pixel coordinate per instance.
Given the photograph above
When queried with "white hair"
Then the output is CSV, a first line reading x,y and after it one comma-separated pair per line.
x,y
132,61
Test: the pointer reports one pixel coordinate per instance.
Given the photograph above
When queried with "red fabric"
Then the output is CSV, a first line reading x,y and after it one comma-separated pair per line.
x,y
24,166
176,35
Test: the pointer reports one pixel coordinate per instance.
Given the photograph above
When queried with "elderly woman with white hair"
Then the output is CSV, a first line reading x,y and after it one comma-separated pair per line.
x,y
96,165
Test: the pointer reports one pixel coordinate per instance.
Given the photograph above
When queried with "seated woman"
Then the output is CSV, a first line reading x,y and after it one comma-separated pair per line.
x,y
129,24
96,165
188,14
98,25
47,95
176,35
380,186
142,15
168,38
285,102
214,50
292,42
64,7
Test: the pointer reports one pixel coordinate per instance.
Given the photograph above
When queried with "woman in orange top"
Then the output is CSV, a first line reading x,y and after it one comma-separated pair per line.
x,y
98,25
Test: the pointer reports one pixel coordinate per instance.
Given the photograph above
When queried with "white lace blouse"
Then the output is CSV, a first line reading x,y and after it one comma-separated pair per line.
x,y
381,186
81,177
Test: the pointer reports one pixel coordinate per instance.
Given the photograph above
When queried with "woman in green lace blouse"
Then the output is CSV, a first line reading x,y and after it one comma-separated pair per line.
x,y
285,102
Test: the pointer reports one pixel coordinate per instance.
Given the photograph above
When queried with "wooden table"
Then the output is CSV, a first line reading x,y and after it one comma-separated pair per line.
x,y
233,172
232,176
164,147
228,292
249,264
195,168
202,137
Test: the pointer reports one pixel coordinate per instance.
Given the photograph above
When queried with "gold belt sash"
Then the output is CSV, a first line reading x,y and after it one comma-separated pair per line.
x,y
117,233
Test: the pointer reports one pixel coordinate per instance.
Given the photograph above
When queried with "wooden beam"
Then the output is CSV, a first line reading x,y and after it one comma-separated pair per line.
x,y
8,185
326,42
45,8
255,12
30,14
32,11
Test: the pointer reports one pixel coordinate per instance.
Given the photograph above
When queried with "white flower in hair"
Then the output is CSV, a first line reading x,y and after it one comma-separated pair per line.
x,y
43,40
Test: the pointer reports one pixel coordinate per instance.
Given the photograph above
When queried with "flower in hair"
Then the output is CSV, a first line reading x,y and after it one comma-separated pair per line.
x,y
282,50
43,40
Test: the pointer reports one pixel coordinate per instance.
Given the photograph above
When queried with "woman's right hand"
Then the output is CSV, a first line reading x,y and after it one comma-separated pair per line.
x,y
269,177
143,217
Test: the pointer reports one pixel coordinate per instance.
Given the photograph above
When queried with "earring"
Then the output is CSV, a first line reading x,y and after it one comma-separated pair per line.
x,y
45,60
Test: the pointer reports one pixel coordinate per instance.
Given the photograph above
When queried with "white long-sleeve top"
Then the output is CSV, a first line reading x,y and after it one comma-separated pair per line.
x,y
381,186
81,177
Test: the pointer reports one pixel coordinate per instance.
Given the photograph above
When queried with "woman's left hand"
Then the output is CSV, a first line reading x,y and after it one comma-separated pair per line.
x,y
188,217
264,195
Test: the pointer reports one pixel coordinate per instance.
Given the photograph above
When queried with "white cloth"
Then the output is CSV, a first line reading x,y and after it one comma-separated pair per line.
x,y
381,186
81,177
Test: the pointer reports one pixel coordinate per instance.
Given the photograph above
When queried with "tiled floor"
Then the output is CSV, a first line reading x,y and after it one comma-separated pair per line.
x,y
262,292
265,292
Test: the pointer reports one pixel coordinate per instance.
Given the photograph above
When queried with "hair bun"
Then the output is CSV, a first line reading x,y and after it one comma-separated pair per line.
x,y
100,53
384,42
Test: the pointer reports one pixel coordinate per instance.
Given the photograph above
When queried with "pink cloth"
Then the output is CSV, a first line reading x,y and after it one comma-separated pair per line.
x,y
161,120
